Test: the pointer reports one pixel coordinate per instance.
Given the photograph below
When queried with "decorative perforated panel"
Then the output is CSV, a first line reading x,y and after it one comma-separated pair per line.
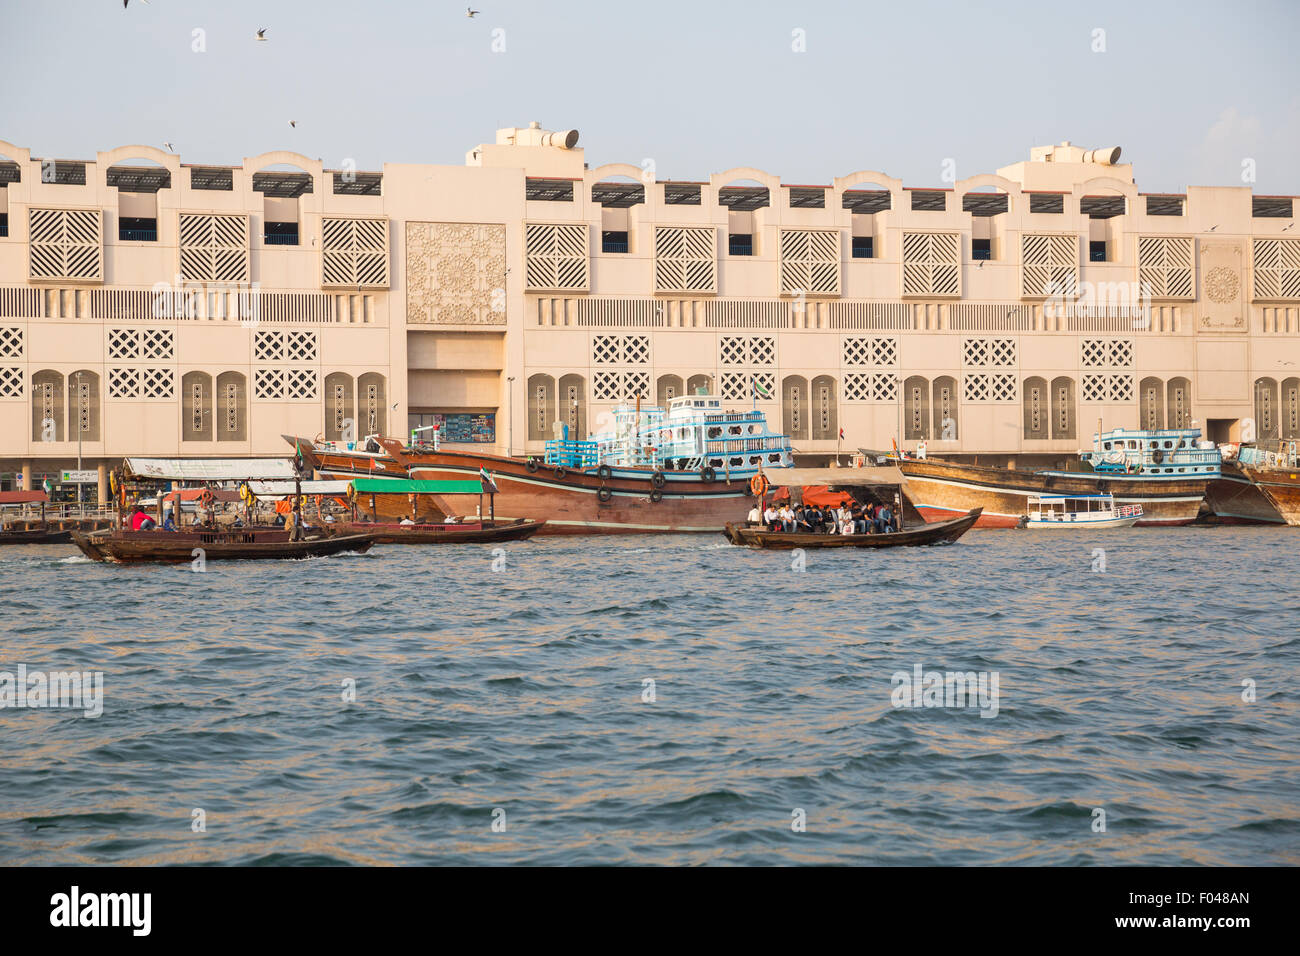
x,y
1049,265
748,386
354,253
686,259
285,346
11,343
1277,268
747,350
869,350
66,244
620,349
870,387
620,386
556,257
810,262
214,248
1165,267
11,382
931,264
1106,353
1107,388
988,353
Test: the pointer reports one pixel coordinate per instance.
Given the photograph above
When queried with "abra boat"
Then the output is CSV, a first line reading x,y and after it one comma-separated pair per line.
x,y
1163,470
36,535
935,532
1080,511
459,533
686,468
178,547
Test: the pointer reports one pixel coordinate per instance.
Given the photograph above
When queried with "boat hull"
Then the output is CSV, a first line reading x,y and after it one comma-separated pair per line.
x,y
942,490
940,532
1234,498
36,536
415,534
1083,525
1282,489
169,547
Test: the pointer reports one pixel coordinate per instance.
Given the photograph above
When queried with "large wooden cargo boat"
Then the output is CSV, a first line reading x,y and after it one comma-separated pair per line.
x,y
1234,498
941,489
1274,469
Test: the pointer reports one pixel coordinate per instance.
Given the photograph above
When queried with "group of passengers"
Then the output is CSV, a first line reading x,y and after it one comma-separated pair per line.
x,y
851,517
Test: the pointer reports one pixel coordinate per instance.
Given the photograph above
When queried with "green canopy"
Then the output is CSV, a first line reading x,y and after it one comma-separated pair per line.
x,y
410,486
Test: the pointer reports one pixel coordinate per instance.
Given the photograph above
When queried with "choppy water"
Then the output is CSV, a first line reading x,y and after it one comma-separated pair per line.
x,y
522,689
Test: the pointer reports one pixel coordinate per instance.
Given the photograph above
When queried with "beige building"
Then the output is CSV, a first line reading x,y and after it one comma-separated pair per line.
x,y
154,307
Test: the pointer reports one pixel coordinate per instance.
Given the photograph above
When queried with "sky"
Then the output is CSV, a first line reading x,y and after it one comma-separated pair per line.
x,y
1195,93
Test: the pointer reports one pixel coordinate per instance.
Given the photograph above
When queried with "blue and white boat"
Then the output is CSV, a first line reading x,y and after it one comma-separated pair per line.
x,y
694,437
1152,454
1080,511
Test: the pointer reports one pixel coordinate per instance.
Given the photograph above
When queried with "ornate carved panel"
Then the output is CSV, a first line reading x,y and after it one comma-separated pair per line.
x,y
455,273
1221,306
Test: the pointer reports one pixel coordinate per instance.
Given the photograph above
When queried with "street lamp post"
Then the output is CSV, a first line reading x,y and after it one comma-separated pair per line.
x,y
510,416
77,379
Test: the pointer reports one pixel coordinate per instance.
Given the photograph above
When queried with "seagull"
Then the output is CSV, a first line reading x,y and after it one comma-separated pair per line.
x,y
293,123
169,147
261,35
1288,226
471,12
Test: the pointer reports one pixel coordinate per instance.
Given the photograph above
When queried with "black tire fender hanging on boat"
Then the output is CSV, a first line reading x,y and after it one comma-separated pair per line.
x,y
559,472
658,479
604,494
604,472
656,495
1158,456
708,474
531,465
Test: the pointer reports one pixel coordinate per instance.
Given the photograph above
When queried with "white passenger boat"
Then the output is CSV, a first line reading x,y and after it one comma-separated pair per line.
x,y
1080,511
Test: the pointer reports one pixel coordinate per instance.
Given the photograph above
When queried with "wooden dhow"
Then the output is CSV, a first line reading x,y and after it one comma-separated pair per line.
x,y
242,544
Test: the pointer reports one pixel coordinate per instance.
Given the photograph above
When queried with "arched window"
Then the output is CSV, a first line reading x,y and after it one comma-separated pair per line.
x,y
668,388
1266,421
699,385
1037,408
1151,404
944,408
232,407
916,408
372,405
196,406
1291,408
825,409
1179,407
541,406
83,405
573,405
1063,415
48,418
794,406
340,408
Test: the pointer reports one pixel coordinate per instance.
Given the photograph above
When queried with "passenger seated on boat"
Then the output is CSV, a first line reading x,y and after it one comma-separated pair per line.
x,y
884,520
755,517
169,524
787,518
406,519
828,520
814,517
140,520
769,518
861,523
279,521
237,523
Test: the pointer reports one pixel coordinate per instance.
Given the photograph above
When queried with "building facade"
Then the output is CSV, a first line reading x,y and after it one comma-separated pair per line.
x,y
153,307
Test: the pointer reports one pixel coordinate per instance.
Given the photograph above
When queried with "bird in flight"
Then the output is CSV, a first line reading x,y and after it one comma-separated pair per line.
x,y
169,147
471,12
293,123
125,2
261,35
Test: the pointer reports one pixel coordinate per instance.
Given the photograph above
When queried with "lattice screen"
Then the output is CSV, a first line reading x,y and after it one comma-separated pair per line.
x,y
1165,267
66,244
686,259
988,353
354,253
870,387
620,386
1107,388
747,350
931,263
740,386
214,248
141,343
620,349
11,382
11,342
1106,353
869,350
285,346
556,256
810,262
156,383
1049,265
1277,268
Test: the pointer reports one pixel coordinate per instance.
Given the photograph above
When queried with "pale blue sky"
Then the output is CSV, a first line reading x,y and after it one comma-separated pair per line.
x,y
1188,89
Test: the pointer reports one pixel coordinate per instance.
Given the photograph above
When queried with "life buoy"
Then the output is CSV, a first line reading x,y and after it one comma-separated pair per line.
x,y
560,472
656,495
658,479
604,472
758,485
531,465
708,474
1157,456
352,493
245,493
604,494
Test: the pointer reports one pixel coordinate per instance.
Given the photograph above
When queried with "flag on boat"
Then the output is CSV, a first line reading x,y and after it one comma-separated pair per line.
x,y
47,486
759,389
841,434
488,484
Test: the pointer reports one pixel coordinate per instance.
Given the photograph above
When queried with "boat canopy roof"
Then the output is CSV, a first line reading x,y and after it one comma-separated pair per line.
x,y
209,469
278,489
23,497
415,486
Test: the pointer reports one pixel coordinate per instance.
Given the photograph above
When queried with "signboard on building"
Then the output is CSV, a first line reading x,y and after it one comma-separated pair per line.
x,y
466,429
74,477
